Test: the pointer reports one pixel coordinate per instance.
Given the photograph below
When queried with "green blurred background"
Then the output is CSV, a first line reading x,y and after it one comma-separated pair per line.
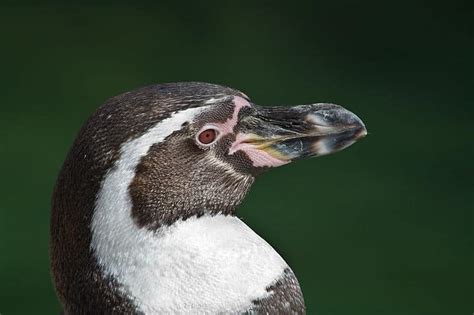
x,y
384,227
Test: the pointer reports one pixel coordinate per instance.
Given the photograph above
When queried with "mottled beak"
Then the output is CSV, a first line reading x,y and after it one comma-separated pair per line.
x,y
274,136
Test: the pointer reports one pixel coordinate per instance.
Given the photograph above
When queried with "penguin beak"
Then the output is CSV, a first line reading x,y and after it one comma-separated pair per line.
x,y
274,136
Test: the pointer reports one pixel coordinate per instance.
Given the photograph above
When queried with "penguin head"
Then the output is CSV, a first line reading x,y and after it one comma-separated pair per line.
x,y
209,142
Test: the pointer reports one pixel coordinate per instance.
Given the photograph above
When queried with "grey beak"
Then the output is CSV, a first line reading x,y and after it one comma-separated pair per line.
x,y
303,131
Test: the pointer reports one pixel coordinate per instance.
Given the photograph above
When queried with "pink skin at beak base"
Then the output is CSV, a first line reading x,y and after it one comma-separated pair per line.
x,y
228,126
258,157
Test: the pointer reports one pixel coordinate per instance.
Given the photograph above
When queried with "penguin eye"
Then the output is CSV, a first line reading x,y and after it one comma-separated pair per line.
x,y
207,136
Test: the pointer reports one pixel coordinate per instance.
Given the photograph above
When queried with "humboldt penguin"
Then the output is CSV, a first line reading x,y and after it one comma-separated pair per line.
x,y
144,208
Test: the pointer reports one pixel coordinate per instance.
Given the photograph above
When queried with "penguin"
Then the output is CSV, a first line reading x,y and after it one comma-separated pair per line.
x,y
143,217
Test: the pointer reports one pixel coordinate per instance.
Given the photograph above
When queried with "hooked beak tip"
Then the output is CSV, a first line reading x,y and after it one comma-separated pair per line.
x,y
362,133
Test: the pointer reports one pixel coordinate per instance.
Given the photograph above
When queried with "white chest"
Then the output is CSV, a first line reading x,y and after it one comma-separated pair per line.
x,y
211,264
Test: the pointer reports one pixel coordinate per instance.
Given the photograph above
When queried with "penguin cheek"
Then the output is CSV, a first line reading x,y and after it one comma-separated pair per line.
x,y
243,164
221,147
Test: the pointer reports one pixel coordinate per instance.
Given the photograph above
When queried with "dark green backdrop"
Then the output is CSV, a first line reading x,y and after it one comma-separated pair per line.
x,y
384,227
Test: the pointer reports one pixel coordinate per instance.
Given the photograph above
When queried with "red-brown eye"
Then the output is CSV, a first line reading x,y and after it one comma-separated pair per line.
x,y
207,136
